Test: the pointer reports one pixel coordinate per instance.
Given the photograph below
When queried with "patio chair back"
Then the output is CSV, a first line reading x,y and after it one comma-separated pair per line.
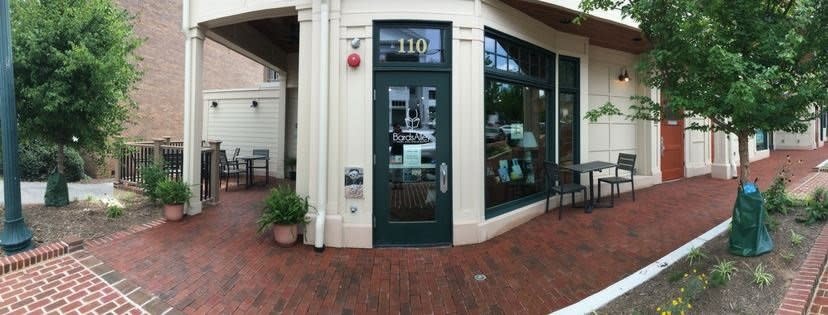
x,y
223,159
264,152
626,162
236,154
553,173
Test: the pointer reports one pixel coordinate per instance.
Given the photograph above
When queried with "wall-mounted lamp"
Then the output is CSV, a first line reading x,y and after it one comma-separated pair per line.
x,y
355,42
254,104
213,104
624,77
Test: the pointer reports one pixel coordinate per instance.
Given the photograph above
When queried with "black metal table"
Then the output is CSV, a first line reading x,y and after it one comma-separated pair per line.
x,y
590,167
248,162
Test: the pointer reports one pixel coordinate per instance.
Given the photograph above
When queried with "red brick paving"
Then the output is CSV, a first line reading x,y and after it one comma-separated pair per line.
x,y
217,263
60,285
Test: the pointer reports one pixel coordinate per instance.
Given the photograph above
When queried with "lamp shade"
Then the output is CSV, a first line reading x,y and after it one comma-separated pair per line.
x,y
529,141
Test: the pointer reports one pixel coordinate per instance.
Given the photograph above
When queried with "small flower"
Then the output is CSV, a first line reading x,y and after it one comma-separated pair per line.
x,y
681,289
74,139
658,308
689,306
685,275
674,302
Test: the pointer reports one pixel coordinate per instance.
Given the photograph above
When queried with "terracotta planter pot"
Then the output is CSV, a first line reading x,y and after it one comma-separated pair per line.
x,y
285,235
173,212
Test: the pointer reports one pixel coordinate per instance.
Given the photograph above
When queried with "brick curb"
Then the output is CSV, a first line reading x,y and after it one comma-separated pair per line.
x,y
9,264
801,291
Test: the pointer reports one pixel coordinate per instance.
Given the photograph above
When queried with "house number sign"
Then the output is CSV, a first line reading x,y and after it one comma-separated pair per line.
x,y
420,46
400,44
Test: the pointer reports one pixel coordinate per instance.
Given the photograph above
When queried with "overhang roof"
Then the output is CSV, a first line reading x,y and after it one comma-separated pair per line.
x,y
601,32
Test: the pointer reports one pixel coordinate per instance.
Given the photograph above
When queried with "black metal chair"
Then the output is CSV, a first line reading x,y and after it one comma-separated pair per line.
x,y
266,165
554,185
229,168
235,157
626,162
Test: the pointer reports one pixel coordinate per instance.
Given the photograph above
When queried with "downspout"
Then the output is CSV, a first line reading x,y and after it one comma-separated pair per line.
x,y
185,16
322,158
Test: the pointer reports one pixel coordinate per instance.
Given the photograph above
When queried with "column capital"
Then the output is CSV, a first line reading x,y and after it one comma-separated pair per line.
x,y
195,32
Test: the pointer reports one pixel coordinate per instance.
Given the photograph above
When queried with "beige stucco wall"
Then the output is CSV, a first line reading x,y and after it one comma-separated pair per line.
x,y
350,97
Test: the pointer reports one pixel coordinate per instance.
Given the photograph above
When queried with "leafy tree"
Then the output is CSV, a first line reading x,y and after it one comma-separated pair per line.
x,y
746,65
75,65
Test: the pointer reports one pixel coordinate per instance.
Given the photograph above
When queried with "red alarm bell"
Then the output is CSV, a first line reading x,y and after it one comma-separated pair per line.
x,y
353,60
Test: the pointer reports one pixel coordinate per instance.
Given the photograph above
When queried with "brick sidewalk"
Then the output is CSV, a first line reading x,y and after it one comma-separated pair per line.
x,y
217,263
77,283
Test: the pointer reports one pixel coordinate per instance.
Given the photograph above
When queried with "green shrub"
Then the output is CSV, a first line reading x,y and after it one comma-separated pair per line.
x,y
151,176
776,197
283,206
114,211
761,277
692,285
816,208
37,160
722,272
796,239
173,192
695,255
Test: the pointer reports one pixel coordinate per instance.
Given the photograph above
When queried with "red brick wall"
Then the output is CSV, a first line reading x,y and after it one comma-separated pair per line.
x,y
160,94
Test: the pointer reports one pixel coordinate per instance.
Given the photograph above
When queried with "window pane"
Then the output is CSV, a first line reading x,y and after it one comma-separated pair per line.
x,y
761,140
513,66
515,136
407,44
566,128
489,60
502,63
489,44
568,75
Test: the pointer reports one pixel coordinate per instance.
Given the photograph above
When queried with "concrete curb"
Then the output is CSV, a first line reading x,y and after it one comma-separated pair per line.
x,y
601,298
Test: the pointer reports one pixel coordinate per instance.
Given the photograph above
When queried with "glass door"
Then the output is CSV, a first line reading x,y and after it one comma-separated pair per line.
x,y
412,159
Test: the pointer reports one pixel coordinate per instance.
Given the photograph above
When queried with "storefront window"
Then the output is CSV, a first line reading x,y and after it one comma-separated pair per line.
x,y
761,140
517,103
515,141
568,89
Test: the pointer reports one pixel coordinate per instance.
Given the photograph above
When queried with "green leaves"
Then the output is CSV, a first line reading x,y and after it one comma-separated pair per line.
x,y
75,66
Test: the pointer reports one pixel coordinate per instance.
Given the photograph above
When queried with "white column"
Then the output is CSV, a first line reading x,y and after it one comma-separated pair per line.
x,y
193,115
655,143
725,155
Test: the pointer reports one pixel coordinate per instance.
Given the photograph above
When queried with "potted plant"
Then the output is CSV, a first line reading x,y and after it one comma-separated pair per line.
x,y
283,211
173,195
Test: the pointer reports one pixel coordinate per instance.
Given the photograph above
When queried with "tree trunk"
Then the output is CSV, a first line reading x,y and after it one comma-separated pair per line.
x,y
61,158
744,159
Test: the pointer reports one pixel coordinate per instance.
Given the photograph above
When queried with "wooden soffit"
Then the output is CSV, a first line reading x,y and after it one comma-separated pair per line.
x,y
600,32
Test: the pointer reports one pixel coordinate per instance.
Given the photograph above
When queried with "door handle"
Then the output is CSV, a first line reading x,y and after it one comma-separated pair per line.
x,y
443,177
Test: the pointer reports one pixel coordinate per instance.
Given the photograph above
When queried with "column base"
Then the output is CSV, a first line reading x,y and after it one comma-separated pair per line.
x,y
16,237
722,171
194,206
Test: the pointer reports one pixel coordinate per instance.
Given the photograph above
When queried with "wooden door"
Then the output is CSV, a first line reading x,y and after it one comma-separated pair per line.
x,y
672,144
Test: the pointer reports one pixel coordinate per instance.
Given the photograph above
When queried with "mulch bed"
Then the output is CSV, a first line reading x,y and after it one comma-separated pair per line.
x,y
740,295
87,219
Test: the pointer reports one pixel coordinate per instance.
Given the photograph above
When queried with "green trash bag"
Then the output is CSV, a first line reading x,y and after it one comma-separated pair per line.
x,y
748,233
57,191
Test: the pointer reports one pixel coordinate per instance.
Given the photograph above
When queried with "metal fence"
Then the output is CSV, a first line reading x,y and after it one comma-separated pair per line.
x,y
170,155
